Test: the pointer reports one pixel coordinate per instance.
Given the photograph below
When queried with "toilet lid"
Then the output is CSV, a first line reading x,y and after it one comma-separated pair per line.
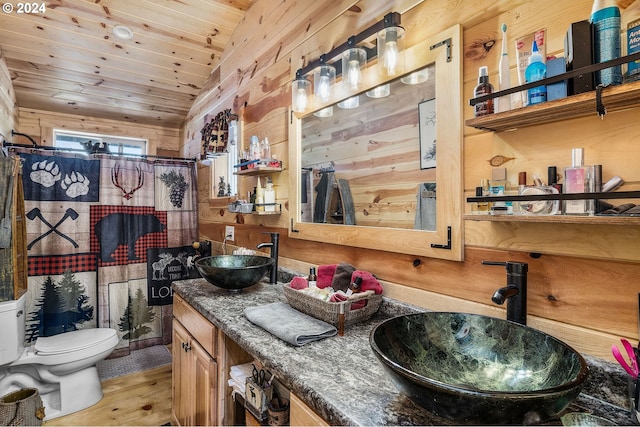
x,y
73,341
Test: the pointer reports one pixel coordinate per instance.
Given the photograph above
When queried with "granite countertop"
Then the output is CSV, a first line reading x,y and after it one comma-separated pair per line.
x,y
339,377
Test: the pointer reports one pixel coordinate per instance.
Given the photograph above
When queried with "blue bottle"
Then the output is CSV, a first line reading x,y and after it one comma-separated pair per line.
x,y
536,70
605,17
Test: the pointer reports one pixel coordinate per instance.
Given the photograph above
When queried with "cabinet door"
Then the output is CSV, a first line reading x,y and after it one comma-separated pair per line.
x,y
301,415
205,380
181,373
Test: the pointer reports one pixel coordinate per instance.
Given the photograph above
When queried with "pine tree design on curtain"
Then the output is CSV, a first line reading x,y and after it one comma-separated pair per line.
x,y
61,307
136,317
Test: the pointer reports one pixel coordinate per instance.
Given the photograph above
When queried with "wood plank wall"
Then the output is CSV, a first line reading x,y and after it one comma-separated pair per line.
x,y
579,274
40,125
9,116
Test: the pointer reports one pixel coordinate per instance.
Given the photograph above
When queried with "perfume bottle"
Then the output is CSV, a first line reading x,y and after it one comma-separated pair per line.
x,y
578,179
480,208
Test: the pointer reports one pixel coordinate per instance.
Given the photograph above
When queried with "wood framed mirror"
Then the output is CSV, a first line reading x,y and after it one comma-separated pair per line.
x,y
388,174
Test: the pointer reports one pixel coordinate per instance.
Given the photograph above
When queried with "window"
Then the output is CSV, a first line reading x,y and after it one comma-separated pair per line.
x,y
115,144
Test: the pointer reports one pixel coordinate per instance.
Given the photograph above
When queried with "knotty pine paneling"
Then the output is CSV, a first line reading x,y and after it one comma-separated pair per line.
x,y
9,119
585,273
40,125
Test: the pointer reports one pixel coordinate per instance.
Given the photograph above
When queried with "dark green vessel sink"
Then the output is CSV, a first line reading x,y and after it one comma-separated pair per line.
x,y
478,369
234,272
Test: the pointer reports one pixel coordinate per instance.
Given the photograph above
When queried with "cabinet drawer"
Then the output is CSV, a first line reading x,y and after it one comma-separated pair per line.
x,y
198,326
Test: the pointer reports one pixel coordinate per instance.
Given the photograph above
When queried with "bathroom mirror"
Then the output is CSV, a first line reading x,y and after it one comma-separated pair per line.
x,y
387,174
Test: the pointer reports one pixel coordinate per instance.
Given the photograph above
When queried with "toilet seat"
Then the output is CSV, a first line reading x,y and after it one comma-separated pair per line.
x,y
72,341
69,347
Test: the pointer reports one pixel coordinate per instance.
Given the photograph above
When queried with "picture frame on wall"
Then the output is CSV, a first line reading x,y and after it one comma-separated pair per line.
x,y
427,127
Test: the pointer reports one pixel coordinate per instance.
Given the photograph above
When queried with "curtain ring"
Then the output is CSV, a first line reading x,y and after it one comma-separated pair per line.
x,y
600,108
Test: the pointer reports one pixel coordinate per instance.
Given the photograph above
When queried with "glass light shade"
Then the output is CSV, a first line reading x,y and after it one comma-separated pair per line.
x,y
353,102
300,95
353,61
416,77
380,91
324,78
390,44
325,112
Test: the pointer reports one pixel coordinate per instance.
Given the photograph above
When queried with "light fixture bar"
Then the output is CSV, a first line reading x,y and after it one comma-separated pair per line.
x,y
391,19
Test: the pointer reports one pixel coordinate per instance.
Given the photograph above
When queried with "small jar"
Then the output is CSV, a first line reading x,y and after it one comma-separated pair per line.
x,y
355,286
313,278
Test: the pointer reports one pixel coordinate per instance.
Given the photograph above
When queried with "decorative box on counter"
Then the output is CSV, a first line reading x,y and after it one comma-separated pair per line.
x,y
330,311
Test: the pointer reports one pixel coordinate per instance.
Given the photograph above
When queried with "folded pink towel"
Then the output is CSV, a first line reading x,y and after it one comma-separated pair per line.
x,y
325,275
369,282
299,283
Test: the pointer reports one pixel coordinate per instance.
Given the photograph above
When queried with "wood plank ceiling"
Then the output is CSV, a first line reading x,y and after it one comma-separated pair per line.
x,y
66,58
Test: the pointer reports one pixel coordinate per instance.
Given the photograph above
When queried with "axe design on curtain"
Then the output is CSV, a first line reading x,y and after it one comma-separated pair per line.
x,y
106,235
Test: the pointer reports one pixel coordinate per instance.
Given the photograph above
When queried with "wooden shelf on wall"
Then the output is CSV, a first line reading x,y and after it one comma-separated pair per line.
x,y
558,219
614,98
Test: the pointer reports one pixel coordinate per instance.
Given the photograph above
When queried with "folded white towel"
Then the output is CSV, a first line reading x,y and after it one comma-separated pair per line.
x,y
241,372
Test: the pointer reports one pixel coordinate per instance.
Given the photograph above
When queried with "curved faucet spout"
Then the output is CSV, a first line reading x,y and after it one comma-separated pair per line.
x,y
502,294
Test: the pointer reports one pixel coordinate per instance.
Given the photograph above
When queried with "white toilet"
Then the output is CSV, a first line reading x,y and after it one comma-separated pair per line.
x,y
61,367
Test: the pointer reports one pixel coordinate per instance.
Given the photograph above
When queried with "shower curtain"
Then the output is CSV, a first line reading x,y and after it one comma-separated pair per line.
x,y
106,235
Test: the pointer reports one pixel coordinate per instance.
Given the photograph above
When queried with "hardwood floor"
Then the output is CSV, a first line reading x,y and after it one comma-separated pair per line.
x,y
140,399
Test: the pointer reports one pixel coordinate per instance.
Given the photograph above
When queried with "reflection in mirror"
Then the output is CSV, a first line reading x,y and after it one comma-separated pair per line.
x,y
373,164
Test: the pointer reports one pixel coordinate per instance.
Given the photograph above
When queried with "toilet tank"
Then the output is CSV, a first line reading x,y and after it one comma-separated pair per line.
x,y
12,319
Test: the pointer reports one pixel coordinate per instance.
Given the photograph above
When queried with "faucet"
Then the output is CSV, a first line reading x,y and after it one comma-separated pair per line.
x,y
274,244
515,293
224,244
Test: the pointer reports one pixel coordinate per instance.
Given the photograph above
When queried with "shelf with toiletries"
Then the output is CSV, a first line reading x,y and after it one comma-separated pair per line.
x,y
259,167
620,219
618,97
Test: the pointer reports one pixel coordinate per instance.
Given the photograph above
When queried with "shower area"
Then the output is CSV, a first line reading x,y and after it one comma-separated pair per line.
x,y
105,237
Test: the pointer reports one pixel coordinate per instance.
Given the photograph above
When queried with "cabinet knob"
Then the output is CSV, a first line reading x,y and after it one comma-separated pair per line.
x,y
186,347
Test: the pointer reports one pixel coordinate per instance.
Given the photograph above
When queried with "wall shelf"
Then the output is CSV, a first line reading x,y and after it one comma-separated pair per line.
x,y
558,219
614,98
261,170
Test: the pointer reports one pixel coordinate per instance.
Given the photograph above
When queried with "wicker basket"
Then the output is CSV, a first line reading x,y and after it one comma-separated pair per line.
x,y
329,311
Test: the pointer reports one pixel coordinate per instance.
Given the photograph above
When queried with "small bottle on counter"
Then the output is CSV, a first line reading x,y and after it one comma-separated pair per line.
x,y
483,88
313,278
355,286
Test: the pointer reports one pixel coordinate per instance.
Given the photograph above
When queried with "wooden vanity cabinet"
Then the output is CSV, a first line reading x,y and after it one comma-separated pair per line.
x,y
194,368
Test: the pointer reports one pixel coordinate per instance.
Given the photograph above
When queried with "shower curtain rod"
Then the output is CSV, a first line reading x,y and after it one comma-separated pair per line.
x,y
79,151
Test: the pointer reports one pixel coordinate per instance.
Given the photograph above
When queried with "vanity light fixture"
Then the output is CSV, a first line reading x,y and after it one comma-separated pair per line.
x,y
300,93
389,46
353,58
324,77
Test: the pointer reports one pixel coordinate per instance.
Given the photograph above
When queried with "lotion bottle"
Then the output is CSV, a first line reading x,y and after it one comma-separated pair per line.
x,y
259,197
483,88
536,70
